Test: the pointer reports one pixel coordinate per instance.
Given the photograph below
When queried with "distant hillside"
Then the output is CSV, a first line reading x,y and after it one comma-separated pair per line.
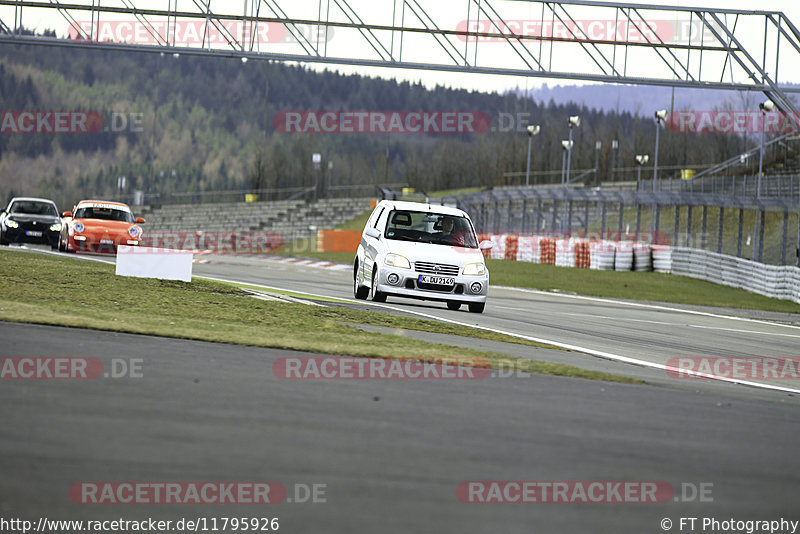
x,y
642,100
205,124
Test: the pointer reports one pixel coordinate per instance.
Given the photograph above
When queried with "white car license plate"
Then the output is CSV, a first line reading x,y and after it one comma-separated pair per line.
x,y
106,242
33,233
438,280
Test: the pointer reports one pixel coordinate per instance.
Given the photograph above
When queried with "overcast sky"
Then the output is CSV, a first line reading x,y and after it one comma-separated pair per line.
x,y
448,13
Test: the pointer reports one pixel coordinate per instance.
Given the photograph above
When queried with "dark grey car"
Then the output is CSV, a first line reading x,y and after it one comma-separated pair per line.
x,y
30,220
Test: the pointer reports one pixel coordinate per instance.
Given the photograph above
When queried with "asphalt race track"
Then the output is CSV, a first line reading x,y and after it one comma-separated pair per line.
x,y
391,453
653,334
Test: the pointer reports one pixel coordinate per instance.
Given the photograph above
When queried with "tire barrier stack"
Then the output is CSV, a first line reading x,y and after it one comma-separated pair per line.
x,y
602,255
547,246
528,249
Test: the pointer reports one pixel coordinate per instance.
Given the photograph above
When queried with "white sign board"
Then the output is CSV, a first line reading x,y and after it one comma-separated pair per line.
x,y
148,262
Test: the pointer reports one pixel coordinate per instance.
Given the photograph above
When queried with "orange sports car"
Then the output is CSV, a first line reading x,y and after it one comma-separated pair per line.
x,y
99,226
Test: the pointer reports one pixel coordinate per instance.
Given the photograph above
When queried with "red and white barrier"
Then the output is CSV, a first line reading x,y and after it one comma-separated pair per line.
x,y
579,252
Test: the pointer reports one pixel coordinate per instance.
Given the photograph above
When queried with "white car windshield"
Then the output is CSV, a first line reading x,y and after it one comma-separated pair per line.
x,y
427,227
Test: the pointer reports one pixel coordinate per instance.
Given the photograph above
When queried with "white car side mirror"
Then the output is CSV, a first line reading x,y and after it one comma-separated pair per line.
x,y
372,232
485,245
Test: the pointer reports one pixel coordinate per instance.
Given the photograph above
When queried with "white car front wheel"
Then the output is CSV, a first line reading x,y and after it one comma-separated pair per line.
x,y
359,292
375,295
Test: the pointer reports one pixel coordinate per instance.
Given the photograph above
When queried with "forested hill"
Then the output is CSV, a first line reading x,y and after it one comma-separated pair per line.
x,y
193,123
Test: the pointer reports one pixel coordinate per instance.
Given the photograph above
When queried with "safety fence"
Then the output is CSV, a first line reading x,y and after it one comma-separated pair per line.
x,y
765,230
781,282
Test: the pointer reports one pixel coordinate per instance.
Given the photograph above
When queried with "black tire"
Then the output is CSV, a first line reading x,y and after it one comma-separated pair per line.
x,y
2,239
452,305
477,307
359,292
376,296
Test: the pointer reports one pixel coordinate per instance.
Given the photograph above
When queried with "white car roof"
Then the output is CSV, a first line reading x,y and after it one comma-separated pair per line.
x,y
421,206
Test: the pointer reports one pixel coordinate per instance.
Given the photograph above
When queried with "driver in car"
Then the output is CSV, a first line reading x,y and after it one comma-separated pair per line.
x,y
448,234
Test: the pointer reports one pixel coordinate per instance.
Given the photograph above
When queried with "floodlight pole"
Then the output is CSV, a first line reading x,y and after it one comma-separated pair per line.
x,y
569,155
532,130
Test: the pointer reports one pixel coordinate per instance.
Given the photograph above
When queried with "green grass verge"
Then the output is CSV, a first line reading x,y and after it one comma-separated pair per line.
x,y
65,291
448,192
407,323
357,223
631,285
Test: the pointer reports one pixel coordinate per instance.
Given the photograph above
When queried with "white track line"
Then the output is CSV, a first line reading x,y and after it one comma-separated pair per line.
x,y
643,305
576,348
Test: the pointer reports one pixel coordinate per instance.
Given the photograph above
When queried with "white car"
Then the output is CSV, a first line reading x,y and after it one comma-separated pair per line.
x,y
421,251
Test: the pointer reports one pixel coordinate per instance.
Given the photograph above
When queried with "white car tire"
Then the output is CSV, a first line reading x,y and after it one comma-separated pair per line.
x,y
374,294
359,292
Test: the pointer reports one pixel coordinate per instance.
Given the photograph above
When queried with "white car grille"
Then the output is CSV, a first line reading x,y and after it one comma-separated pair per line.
x,y
436,268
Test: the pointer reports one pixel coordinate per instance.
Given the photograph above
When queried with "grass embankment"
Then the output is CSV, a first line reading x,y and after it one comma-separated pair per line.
x,y
68,292
631,285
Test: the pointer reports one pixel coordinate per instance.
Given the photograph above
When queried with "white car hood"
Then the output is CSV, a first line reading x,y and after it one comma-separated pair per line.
x,y
434,253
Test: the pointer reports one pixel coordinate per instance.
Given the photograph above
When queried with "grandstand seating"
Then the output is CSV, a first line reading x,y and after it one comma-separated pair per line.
x,y
290,218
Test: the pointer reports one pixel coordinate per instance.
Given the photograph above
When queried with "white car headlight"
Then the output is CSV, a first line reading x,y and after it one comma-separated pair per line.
x,y
396,260
55,227
133,231
12,224
78,227
474,269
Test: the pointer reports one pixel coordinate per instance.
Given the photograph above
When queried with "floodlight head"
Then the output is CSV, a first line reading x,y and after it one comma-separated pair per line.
x,y
641,159
574,120
566,144
533,129
661,115
767,105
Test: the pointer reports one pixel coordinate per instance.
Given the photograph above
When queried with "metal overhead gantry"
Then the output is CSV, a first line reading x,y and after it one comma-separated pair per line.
x,y
571,39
